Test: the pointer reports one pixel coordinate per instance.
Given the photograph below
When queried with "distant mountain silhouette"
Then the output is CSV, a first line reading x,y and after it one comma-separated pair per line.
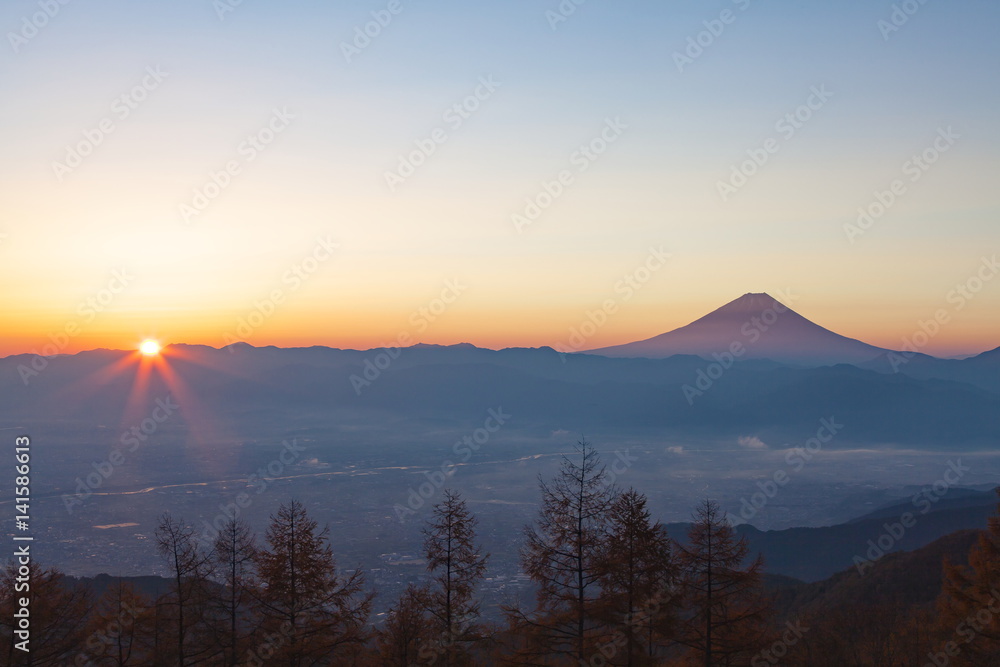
x,y
990,356
546,390
832,549
958,498
758,326
903,578
980,370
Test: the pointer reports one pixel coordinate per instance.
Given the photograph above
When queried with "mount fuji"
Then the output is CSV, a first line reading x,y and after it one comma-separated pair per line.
x,y
754,326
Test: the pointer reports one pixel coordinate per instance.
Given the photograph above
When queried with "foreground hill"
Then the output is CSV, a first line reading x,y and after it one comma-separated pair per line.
x,y
908,578
814,554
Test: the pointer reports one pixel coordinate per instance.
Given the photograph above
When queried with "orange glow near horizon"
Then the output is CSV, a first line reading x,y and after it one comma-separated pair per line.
x,y
969,332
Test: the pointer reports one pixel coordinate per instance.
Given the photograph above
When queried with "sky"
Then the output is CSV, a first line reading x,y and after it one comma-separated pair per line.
x,y
204,171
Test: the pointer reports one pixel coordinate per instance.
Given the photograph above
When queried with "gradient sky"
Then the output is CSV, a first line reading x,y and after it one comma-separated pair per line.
x,y
655,186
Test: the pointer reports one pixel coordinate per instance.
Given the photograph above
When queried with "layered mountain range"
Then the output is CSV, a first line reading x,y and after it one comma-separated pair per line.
x,y
790,373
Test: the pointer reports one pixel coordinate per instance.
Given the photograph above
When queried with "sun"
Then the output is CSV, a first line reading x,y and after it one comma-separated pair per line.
x,y
149,347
